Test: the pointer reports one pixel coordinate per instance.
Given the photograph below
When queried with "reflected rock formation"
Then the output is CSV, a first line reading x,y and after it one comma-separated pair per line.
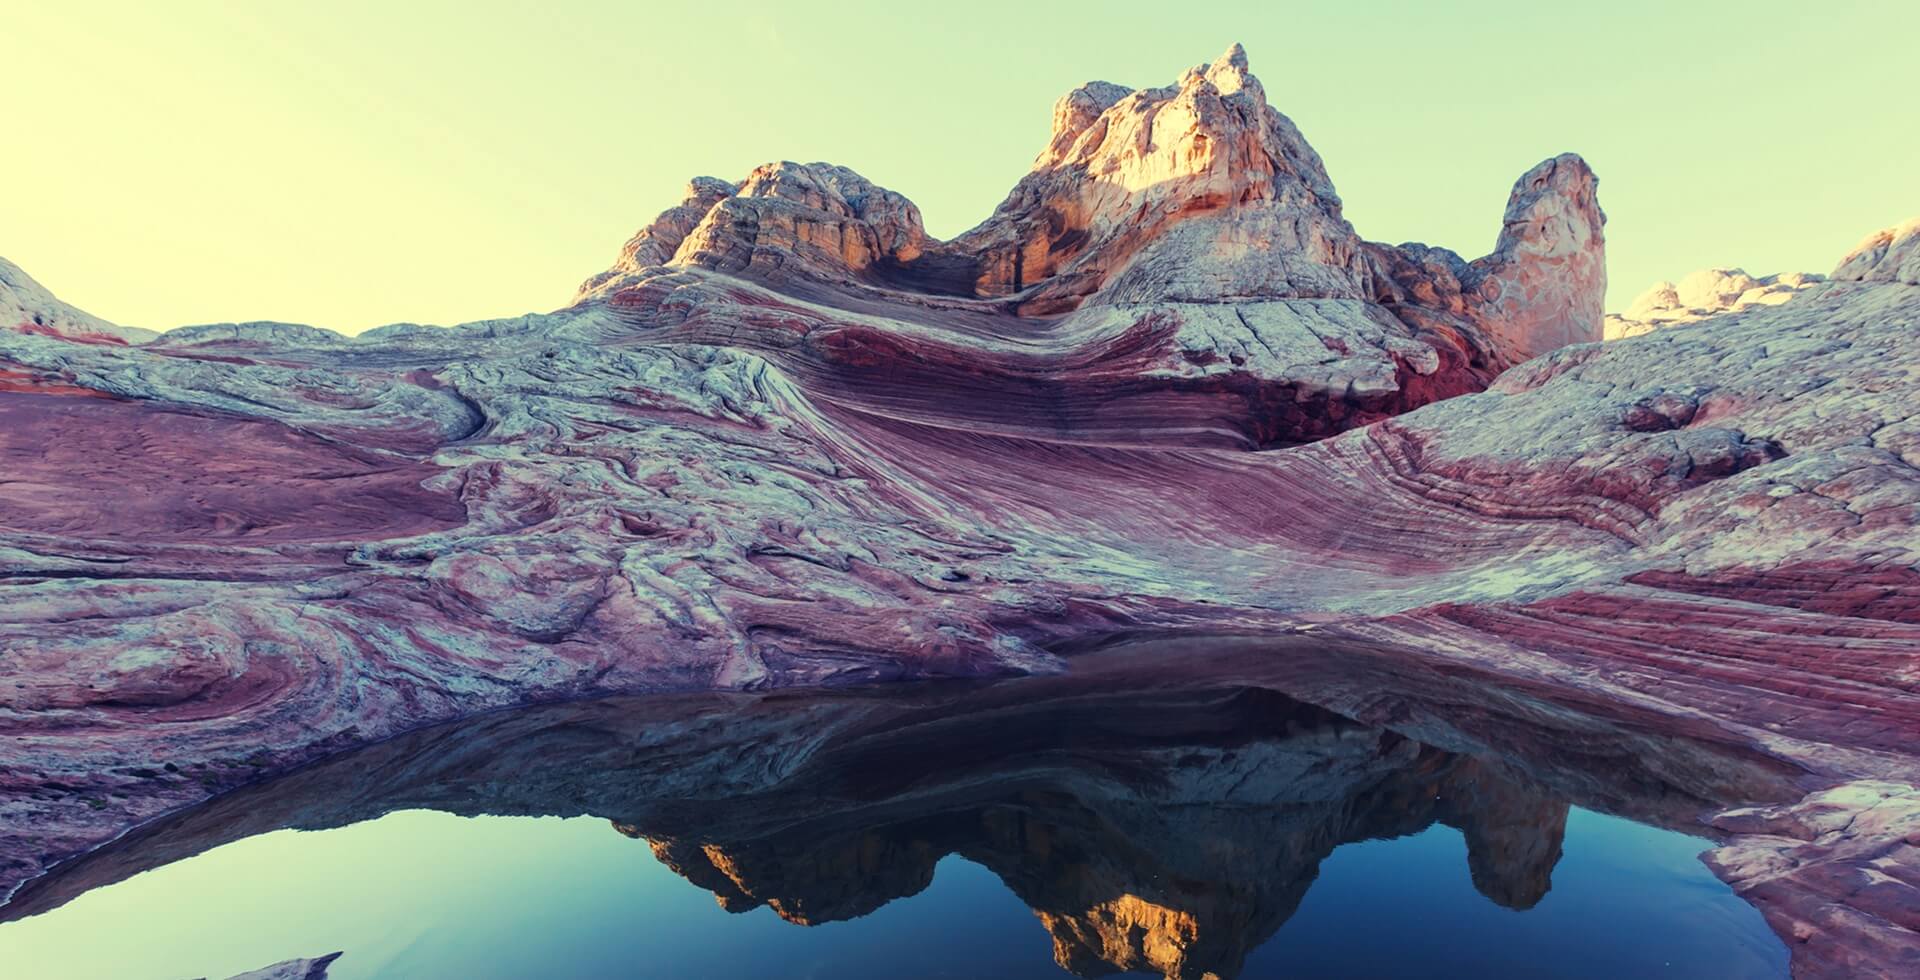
x,y
1163,808
789,440
1177,859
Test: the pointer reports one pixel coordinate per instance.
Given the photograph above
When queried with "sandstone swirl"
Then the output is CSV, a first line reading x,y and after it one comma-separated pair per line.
x,y
790,439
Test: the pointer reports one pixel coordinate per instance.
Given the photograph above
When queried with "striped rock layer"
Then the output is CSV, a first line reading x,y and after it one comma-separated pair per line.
x,y
788,439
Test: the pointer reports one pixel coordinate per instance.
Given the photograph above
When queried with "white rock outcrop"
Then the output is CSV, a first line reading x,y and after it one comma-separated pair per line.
x,y
28,307
1701,294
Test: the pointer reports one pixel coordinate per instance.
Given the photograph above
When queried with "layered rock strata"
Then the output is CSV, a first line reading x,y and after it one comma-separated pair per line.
x,y
1176,260
815,447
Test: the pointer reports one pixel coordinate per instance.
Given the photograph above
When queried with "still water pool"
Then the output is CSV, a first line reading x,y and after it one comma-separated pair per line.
x,y
1357,821
425,894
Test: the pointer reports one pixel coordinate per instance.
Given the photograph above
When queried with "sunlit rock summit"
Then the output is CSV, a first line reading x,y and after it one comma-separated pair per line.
x,y
1884,256
1702,294
790,439
1184,240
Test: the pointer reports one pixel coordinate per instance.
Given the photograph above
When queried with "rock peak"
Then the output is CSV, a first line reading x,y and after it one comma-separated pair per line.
x,y
1543,286
1889,255
1195,192
1076,111
1125,168
1228,73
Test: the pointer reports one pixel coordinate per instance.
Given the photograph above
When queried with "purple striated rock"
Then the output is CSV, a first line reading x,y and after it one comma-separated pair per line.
x,y
815,447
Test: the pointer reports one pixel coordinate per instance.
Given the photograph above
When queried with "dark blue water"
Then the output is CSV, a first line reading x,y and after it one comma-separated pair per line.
x,y
421,894
1086,825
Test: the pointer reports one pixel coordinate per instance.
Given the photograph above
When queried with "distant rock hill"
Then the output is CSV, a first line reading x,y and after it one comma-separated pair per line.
x,y
26,306
1701,295
1885,256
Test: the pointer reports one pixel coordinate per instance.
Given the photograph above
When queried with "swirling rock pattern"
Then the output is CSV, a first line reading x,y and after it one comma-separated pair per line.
x,y
788,439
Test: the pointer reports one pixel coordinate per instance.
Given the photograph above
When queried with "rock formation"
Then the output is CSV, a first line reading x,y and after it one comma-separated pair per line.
x,y
1162,808
27,307
1705,293
1181,246
1889,256
300,969
1835,874
815,447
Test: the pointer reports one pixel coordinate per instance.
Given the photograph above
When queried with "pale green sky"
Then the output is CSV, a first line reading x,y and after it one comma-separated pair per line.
x,y
349,164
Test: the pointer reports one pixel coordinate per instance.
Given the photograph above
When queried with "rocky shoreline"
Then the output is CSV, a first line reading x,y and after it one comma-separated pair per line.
x,y
790,441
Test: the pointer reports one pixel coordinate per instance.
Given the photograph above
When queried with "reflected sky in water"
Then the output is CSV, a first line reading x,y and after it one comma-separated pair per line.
x,y
424,894
1219,811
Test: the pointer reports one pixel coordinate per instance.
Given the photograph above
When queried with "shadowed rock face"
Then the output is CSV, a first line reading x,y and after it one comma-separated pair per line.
x,y
790,441
1163,808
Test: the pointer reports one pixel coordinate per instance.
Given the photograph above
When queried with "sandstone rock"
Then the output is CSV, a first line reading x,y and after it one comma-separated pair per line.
x,y
1837,874
1183,243
1206,156
1714,289
1891,256
812,220
816,448
1659,296
656,243
1542,286
1074,114
1708,292
1176,268
27,307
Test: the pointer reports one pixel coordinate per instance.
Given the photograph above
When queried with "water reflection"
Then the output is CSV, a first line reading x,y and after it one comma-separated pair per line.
x,y
1164,808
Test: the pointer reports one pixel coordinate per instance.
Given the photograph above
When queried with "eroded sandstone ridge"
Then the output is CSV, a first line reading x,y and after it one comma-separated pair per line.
x,y
1174,268
1705,293
789,439
27,307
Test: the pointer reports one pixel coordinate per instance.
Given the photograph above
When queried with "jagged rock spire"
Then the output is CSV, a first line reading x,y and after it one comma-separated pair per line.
x,y
1195,192
1544,284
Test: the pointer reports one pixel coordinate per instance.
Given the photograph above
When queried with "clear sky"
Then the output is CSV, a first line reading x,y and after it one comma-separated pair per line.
x,y
349,164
